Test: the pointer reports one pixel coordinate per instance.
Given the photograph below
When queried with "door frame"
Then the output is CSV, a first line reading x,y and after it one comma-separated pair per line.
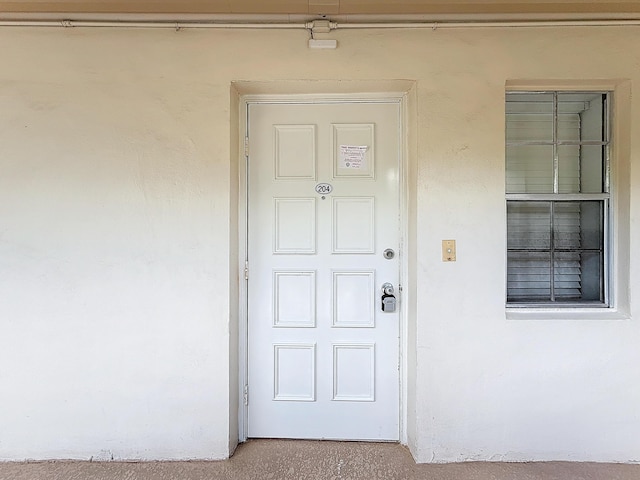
x,y
399,98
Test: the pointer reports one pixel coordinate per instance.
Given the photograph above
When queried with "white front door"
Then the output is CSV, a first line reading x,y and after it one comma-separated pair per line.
x,y
323,357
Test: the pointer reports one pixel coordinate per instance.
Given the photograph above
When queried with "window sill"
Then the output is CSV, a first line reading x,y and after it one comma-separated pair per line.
x,y
565,314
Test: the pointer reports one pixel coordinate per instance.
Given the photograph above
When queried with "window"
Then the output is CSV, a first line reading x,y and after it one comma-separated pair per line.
x,y
557,193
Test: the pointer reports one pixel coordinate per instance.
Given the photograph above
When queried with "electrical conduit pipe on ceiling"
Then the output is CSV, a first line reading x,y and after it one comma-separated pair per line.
x,y
178,25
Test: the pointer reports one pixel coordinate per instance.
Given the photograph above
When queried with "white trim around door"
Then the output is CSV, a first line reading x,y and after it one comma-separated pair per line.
x,y
398,99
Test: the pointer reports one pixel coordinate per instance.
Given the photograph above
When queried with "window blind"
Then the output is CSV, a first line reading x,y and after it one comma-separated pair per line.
x,y
557,196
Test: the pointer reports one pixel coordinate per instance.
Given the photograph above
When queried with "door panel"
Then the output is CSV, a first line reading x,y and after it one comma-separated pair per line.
x,y
323,356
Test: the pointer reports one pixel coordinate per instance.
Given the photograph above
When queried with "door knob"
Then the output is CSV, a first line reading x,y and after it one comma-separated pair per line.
x,y
388,298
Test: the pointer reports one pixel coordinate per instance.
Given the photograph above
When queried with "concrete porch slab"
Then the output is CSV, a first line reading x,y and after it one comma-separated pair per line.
x,y
311,460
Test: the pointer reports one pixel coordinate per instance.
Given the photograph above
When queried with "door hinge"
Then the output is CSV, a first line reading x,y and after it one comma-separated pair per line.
x,y
246,270
246,146
245,395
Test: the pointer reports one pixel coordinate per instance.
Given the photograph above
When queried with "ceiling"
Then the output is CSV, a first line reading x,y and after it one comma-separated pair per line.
x,y
555,8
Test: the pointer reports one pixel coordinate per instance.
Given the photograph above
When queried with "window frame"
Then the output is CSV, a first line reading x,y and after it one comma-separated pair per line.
x,y
604,198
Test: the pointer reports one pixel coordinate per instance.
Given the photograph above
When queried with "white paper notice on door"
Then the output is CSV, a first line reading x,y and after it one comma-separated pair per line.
x,y
353,156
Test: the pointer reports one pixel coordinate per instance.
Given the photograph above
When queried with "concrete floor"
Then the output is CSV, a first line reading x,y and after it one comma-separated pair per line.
x,y
303,460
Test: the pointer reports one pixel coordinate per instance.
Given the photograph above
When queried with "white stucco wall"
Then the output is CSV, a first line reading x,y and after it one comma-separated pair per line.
x,y
118,242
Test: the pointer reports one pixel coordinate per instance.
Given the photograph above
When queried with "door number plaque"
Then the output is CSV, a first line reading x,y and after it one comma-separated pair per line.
x,y
324,188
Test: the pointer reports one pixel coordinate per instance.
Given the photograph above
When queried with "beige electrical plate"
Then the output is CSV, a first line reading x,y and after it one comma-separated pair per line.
x,y
448,250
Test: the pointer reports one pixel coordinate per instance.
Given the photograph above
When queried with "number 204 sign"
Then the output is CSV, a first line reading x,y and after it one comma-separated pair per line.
x,y
324,188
